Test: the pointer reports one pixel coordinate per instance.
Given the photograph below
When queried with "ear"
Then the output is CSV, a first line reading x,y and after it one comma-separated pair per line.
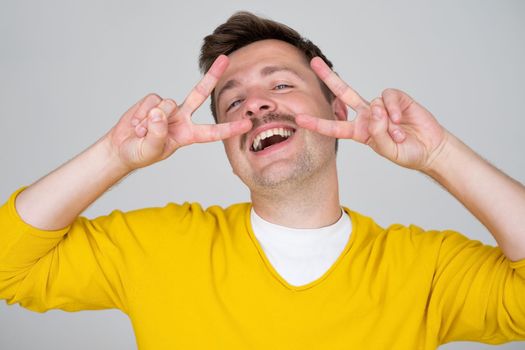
x,y
340,109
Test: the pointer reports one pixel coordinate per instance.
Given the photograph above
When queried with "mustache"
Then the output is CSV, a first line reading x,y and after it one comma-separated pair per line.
x,y
271,117
265,119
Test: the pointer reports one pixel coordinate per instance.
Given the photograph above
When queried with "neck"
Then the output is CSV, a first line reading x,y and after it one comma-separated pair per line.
x,y
311,203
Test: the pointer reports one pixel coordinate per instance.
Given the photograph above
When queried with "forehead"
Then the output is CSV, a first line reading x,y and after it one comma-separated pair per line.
x,y
253,57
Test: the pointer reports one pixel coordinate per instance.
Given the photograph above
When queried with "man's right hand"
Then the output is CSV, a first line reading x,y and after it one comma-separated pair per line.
x,y
138,140
154,128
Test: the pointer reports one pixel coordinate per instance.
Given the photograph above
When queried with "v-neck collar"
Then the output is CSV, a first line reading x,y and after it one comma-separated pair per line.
x,y
276,274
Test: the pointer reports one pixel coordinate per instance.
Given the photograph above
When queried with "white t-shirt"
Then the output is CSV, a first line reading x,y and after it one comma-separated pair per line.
x,y
301,256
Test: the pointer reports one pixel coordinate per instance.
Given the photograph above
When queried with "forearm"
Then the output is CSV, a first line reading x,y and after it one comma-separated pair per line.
x,y
54,201
494,198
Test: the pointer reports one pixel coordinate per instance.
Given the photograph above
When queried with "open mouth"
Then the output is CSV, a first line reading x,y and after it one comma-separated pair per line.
x,y
270,137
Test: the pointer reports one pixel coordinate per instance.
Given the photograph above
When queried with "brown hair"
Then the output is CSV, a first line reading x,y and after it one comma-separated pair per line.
x,y
244,28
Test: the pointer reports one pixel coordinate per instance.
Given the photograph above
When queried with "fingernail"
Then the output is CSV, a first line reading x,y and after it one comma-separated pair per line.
x,y
376,112
398,135
166,106
396,116
156,115
141,131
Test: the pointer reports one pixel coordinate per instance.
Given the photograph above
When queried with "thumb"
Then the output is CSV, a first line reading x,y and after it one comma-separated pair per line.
x,y
156,137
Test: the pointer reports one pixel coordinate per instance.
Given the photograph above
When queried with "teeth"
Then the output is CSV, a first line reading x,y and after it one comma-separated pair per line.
x,y
269,133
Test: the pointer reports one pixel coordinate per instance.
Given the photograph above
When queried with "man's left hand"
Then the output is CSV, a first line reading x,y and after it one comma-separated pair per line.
x,y
394,125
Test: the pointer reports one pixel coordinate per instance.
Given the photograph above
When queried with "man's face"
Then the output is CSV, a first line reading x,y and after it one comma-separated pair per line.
x,y
270,82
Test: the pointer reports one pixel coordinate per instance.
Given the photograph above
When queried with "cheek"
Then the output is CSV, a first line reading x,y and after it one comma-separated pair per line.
x,y
310,104
231,147
228,147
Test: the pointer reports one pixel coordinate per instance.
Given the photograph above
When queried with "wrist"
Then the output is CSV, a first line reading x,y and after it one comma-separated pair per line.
x,y
452,163
113,164
439,160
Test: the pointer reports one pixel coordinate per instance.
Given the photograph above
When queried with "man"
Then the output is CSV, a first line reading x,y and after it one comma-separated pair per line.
x,y
293,269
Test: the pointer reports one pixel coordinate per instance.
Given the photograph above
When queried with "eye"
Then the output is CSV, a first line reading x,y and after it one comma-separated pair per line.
x,y
282,86
233,104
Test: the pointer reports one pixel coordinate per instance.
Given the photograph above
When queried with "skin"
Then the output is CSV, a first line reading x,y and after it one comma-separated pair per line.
x,y
404,132
150,131
294,184
281,181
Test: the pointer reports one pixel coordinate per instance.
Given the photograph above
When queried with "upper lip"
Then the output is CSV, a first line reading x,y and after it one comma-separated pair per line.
x,y
268,126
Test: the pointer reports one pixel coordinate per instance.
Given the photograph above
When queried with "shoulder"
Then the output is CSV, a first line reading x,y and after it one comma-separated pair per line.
x,y
171,214
414,242
414,234
155,226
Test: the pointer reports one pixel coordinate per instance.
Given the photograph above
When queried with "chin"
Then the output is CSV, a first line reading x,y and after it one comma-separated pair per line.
x,y
282,177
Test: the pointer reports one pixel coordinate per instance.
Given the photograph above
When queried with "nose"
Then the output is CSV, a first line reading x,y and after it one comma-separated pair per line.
x,y
258,104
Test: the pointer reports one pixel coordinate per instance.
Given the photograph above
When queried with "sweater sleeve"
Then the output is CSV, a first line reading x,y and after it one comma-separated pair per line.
x,y
89,265
477,293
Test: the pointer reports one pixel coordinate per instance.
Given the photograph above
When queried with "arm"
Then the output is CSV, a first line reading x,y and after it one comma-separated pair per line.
x,y
50,257
495,199
401,130
148,132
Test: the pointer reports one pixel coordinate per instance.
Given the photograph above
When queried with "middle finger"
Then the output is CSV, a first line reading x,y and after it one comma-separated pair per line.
x,y
341,89
203,89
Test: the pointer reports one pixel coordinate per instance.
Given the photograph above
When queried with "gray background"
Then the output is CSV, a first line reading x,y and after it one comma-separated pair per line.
x,y
68,70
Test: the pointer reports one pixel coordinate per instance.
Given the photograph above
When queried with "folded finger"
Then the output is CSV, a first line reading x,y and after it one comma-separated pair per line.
x,y
380,139
395,131
143,107
390,103
395,101
155,138
166,106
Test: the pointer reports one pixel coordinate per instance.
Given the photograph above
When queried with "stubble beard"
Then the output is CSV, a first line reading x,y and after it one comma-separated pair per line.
x,y
272,179
295,173
280,179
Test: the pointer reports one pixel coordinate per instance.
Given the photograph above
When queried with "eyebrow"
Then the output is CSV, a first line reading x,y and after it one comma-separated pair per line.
x,y
274,69
266,71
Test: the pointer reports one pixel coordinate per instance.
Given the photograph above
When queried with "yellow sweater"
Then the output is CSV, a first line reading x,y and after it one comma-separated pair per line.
x,y
190,278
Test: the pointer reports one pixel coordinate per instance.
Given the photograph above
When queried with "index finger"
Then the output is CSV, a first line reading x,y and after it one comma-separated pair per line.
x,y
217,132
334,128
341,89
205,86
